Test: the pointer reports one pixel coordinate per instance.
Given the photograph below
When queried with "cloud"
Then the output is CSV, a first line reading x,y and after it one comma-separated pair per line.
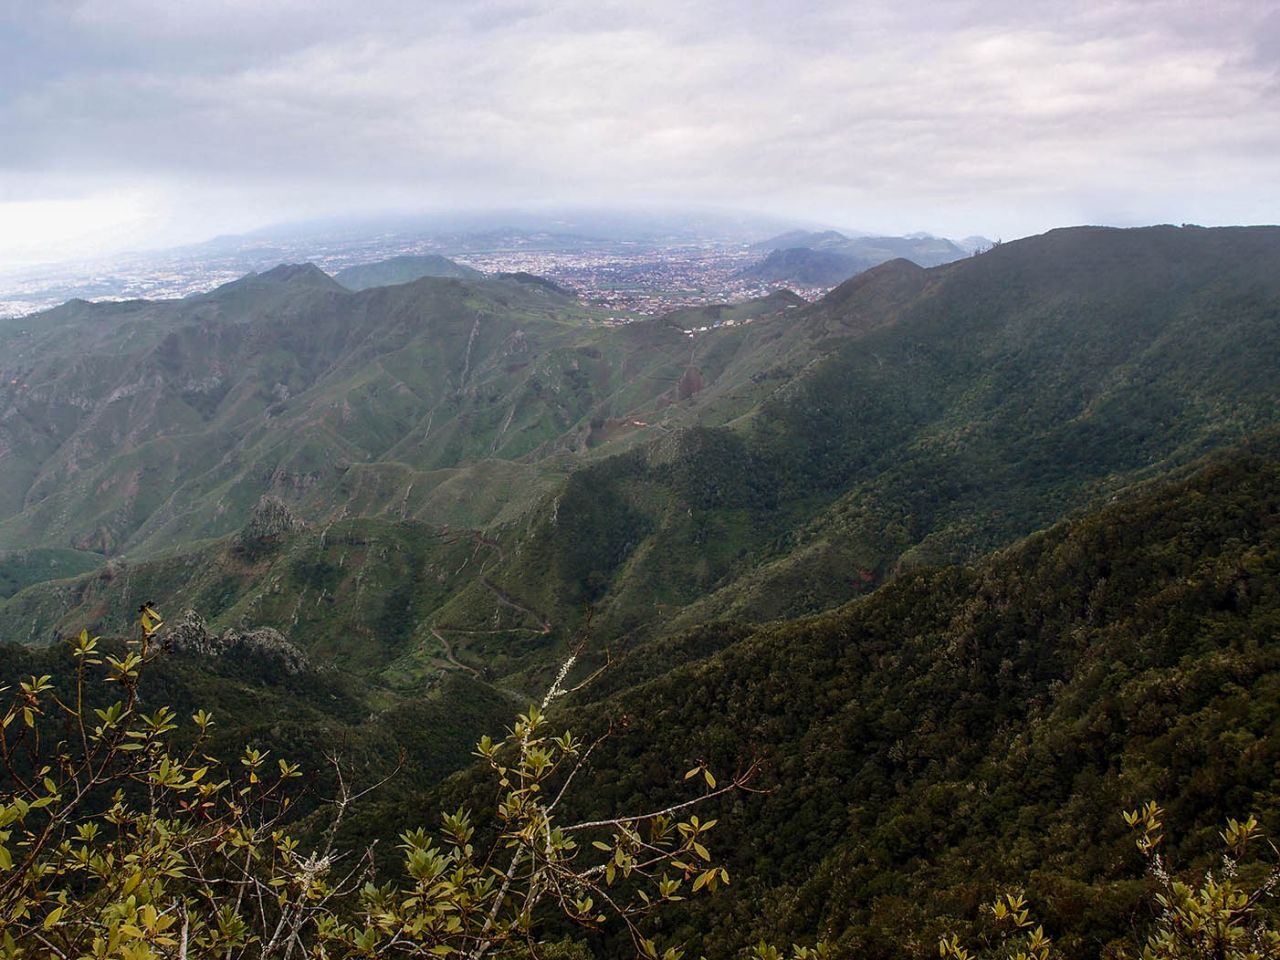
x,y
893,114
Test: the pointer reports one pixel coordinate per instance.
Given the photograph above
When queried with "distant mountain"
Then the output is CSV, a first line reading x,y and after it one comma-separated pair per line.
x,y
404,269
136,426
285,280
974,244
923,416
805,267
715,314
828,258
811,239
533,280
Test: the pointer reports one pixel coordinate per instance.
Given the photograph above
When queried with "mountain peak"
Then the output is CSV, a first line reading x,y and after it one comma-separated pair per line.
x,y
533,280
403,269
307,273
282,278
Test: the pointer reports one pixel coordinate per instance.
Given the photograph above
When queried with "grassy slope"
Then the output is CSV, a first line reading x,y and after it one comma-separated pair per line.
x,y
358,594
22,568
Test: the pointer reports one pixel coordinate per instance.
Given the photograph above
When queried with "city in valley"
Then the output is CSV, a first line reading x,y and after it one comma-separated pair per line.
x,y
627,279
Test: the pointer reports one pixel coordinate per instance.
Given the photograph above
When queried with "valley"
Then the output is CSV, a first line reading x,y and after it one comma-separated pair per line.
x,y
639,481
899,543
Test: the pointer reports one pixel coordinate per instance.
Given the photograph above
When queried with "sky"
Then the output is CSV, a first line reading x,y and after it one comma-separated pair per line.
x,y
129,124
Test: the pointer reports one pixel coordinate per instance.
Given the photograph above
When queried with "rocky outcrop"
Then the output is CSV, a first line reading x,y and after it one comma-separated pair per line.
x,y
191,635
271,520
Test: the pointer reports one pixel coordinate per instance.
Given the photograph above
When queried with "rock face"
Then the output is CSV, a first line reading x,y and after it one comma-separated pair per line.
x,y
191,635
271,518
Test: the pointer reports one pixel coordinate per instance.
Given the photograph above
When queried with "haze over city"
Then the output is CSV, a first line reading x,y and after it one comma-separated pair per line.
x,y
140,123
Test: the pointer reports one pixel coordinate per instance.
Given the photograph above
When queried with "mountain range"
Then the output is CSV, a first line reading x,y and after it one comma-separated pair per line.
x,y
907,542
827,258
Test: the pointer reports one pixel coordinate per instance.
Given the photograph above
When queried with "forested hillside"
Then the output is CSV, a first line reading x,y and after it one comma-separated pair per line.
x,y
969,557
969,729
961,731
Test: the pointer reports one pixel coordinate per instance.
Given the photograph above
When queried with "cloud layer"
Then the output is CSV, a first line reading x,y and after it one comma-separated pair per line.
x,y
949,115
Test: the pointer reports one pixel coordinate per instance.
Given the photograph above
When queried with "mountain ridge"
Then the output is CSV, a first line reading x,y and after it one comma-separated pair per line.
x,y
829,258
402,269
783,466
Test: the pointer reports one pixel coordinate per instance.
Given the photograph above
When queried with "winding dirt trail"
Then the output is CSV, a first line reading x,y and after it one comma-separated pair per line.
x,y
451,657
544,624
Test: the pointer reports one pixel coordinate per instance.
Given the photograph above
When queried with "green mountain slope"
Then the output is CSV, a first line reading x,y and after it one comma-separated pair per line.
x,y
718,314
433,487
310,715
761,471
403,269
21,568
446,400
955,409
967,729
807,268
354,593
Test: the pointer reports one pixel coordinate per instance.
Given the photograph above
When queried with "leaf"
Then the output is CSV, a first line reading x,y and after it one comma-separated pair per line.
x,y
711,781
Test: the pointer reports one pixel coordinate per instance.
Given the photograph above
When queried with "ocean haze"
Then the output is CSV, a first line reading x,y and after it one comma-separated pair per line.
x,y
144,124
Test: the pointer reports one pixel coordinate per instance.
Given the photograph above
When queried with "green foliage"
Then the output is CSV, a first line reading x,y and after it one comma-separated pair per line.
x,y
116,841
1220,917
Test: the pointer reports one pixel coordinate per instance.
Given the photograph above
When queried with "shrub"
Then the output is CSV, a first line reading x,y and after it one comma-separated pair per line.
x,y
116,842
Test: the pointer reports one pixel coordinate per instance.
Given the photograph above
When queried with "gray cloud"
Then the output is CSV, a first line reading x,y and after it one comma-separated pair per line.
x,y
1003,117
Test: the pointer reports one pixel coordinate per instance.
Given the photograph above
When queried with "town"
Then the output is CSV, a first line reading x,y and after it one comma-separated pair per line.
x,y
627,279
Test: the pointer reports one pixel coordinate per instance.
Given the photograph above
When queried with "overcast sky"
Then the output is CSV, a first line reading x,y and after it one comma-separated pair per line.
x,y
132,123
